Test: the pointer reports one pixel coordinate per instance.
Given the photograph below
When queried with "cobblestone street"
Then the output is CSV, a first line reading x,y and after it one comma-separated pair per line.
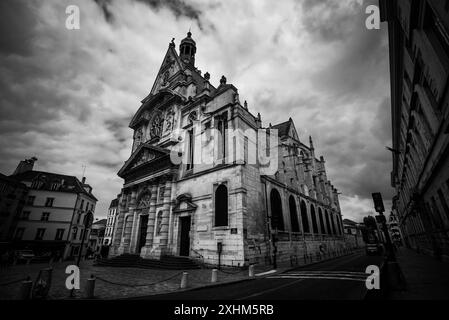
x,y
112,283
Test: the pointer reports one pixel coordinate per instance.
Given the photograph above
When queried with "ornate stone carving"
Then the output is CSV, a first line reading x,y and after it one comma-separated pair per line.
x,y
144,198
156,126
169,121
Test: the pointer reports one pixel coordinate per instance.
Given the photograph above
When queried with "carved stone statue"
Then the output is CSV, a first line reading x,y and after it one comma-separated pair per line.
x,y
159,223
169,121
156,126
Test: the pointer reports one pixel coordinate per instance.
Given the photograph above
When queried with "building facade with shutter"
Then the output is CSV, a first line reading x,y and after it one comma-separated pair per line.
x,y
419,69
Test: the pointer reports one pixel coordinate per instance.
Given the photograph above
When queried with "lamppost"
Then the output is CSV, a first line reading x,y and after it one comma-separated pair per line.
x,y
88,219
380,218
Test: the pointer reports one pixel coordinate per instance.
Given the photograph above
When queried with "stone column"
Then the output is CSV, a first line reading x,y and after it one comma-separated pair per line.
x,y
165,217
146,250
129,223
120,225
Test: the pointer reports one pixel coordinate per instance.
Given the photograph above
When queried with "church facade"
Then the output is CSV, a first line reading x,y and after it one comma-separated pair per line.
x,y
206,180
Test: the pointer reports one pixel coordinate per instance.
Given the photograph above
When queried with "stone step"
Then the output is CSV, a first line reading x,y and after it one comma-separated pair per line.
x,y
166,262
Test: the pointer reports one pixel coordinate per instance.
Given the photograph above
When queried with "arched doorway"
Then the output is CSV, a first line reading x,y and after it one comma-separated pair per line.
x,y
293,214
304,219
277,221
142,232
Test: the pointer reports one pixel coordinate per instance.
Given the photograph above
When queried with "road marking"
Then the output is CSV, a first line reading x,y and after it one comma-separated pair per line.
x,y
329,275
264,273
318,278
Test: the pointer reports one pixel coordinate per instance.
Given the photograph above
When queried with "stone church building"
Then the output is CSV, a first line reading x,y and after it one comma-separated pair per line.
x,y
206,180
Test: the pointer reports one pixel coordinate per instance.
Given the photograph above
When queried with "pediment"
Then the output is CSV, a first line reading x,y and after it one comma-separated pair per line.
x,y
184,204
144,154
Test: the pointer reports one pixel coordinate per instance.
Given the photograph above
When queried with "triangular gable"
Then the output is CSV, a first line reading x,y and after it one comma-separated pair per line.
x,y
145,153
292,130
171,64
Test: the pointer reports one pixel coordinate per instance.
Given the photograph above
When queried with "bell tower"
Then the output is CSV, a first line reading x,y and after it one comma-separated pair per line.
x,y
187,49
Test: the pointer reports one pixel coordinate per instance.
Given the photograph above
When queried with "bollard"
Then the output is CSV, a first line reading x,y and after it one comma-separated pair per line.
x,y
251,271
25,289
184,280
90,287
214,275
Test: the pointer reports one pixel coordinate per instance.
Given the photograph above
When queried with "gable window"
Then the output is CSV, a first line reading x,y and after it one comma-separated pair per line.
x,y
26,215
40,234
49,202
19,233
30,200
45,216
59,234
221,206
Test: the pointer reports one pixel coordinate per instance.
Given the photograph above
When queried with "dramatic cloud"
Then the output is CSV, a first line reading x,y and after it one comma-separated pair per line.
x,y
67,96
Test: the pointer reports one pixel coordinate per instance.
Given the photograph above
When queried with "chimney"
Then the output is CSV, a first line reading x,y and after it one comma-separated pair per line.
x,y
83,181
25,165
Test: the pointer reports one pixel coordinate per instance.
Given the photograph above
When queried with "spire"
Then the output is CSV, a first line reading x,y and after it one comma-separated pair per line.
x,y
311,143
187,49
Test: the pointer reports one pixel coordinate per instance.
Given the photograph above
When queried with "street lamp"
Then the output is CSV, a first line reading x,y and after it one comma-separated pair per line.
x,y
88,219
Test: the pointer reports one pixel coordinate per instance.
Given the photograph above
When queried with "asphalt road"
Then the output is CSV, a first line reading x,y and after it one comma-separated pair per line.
x,y
337,279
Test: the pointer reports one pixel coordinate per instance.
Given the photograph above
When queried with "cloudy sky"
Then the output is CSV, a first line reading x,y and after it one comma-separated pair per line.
x,y
67,96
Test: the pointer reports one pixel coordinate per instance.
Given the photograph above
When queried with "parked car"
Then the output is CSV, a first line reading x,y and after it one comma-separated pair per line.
x,y
24,255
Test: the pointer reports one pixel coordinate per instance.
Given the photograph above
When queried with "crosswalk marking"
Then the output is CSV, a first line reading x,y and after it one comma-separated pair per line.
x,y
329,275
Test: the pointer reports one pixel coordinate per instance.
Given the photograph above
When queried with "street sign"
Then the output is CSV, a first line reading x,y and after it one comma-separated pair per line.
x,y
378,202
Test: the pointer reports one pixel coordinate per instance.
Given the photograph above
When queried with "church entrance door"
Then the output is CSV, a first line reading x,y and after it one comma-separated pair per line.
x,y
184,249
142,232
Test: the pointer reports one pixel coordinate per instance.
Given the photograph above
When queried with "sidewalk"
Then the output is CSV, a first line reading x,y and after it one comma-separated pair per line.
x,y
426,278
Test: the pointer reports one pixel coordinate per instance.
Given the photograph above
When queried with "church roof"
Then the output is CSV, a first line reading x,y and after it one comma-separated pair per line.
x,y
283,128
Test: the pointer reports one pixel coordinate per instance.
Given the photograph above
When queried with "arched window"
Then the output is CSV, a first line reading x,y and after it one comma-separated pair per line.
x,y
221,206
304,219
314,223
293,215
277,221
338,224
328,224
333,223
320,216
